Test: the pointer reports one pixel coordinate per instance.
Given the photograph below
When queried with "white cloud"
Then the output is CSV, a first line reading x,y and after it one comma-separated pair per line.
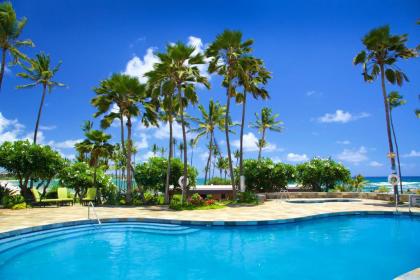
x,y
354,156
47,127
40,138
67,144
143,143
276,159
313,93
296,157
250,144
10,130
413,153
197,43
343,142
162,132
146,156
375,164
137,67
341,116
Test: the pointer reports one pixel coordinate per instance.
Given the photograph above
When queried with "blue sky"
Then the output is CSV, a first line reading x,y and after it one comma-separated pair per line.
x,y
307,45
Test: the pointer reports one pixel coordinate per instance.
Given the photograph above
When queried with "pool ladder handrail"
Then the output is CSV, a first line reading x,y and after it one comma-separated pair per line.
x,y
285,194
90,204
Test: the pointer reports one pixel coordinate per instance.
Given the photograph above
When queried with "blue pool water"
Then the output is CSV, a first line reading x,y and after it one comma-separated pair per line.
x,y
346,247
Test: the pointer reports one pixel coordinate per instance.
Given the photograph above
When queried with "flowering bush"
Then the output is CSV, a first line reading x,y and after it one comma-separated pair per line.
x,y
209,202
196,200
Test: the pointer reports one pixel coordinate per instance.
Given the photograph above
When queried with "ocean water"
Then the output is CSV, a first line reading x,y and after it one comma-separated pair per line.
x,y
409,183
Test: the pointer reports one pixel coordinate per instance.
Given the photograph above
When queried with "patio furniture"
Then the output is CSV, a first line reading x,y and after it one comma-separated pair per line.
x,y
62,194
90,196
43,201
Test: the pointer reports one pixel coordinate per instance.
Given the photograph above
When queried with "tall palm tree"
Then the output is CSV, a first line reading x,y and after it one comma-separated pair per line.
x,y
210,120
181,149
127,93
40,72
10,30
266,121
382,52
417,112
178,68
253,80
395,100
225,53
192,145
237,155
155,149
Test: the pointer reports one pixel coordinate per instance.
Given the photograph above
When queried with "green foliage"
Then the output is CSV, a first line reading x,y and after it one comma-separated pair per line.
x,y
25,160
175,203
151,175
321,174
266,176
247,197
196,199
382,189
19,206
218,181
9,201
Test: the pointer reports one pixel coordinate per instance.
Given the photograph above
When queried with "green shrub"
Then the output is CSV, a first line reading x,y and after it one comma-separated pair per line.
x,y
151,175
196,200
175,202
321,174
19,206
247,197
218,181
382,189
266,176
10,200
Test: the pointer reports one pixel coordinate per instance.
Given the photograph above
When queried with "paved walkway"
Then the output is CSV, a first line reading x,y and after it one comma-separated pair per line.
x,y
270,210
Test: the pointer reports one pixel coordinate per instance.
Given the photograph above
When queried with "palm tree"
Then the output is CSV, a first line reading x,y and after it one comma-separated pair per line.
x,y
395,100
181,149
126,93
225,53
253,81
418,111
40,73
237,155
265,122
10,30
209,121
97,146
155,149
358,182
178,69
382,52
192,145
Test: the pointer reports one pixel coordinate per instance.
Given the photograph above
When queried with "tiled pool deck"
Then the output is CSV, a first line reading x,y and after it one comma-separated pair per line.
x,y
274,211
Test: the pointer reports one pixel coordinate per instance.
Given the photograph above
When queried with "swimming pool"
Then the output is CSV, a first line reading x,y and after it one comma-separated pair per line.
x,y
323,200
345,247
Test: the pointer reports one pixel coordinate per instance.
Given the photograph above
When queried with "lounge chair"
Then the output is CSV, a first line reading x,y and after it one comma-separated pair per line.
x,y
90,196
43,201
62,194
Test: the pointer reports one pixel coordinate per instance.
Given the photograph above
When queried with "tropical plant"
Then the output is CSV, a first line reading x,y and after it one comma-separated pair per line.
x,y
179,70
417,112
218,181
181,149
253,80
150,175
266,176
155,149
395,100
192,145
237,155
266,121
25,160
358,182
126,93
225,53
40,72
321,174
223,165
382,52
10,30
210,120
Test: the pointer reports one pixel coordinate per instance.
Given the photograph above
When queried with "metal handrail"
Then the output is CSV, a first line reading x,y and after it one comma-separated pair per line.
x,y
284,193
90,204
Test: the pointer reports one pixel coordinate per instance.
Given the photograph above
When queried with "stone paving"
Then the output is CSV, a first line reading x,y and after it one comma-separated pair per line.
x,y
270,210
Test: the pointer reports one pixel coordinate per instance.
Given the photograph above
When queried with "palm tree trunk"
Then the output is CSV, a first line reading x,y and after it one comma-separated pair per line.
x,y
192,154
396,149
44,91
207,171
388,126
122,134
129,181
228,142
241,139
261,144
168,170
184,138
3,65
